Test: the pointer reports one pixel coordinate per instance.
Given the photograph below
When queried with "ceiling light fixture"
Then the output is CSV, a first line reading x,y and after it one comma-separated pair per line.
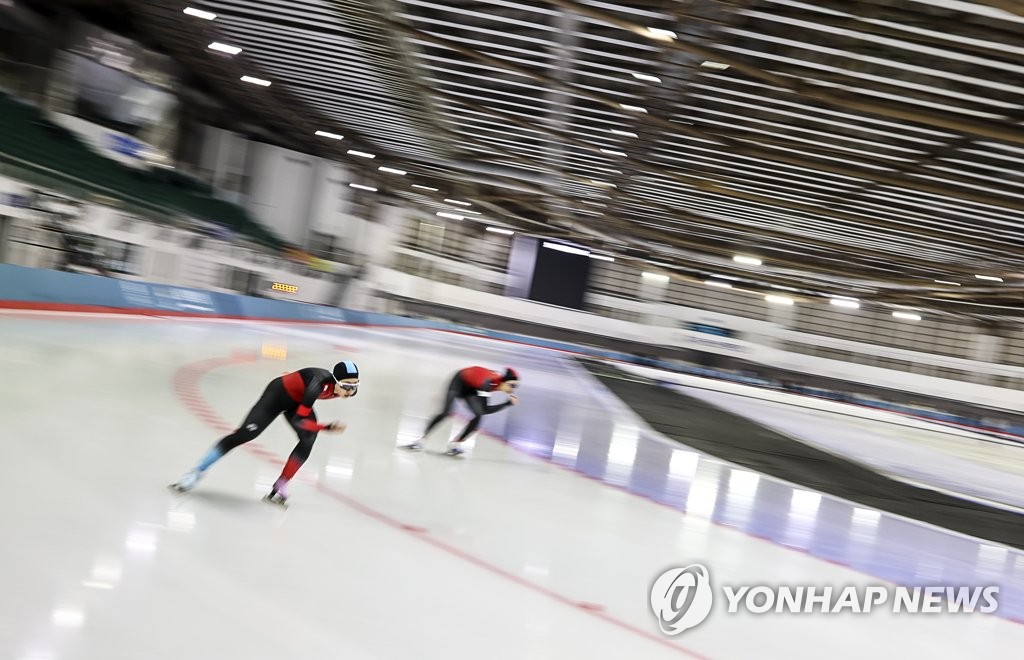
x,y
601,257
654,277
362,187
907,316
612,152
199,13
499,230
718,66
616,131
567,248
660,34
633,108
224,48
391,170
450,216
361,154
750,261
455,201
989,278
849,303
646,77
719,283
948,282
778,300
255,81
416,185
326,134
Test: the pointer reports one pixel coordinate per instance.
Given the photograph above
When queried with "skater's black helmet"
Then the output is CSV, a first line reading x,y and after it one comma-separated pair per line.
x,y
346,369
510,374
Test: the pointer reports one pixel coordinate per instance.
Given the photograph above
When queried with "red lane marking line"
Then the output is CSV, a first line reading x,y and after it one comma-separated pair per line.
x,y
189,375
593,610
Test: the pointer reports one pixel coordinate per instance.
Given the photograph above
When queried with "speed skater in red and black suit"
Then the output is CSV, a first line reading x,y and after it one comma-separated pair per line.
x,y
293,396
473,385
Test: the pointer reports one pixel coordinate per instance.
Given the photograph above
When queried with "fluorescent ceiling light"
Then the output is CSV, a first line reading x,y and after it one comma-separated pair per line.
x,y
648,78
455,201
661,35
362,187
990,278
718,66
750,261
634,108
391,170
908,316
654,277
718,283
333,136
778,300
603,184
948,282
199,13
849,303
567,248
256,81
224,48
601,257
614,153
499,230
616,131
361,154
416,185
450,216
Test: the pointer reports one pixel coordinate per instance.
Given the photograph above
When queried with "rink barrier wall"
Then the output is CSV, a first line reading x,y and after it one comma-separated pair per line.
x,y
35,289
49,290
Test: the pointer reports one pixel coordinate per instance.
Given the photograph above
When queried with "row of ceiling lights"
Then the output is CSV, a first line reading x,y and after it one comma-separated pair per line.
x,y
845,302
654,33
235,50
786,301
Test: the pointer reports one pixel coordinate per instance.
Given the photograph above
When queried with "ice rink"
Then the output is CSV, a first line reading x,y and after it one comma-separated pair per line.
x,y
541,543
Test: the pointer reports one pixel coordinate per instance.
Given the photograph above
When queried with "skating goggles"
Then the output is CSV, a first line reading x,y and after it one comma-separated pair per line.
x,y
349,387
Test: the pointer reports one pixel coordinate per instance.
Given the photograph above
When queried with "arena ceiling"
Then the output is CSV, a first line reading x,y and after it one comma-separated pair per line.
x,y
870,149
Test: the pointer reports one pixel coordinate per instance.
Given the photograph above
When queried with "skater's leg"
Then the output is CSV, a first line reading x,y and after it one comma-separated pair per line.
x,y
454,389
261,415
295,461
478,407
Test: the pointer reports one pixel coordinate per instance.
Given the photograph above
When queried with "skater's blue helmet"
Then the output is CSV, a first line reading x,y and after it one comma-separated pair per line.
x,y
346,369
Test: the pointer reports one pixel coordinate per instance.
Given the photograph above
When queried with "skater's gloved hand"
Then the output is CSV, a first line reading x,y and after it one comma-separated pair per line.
x,y
336,427
513,399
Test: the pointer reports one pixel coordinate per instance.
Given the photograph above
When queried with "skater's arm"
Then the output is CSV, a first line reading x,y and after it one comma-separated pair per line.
x,y
309,397
308,424
500,406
